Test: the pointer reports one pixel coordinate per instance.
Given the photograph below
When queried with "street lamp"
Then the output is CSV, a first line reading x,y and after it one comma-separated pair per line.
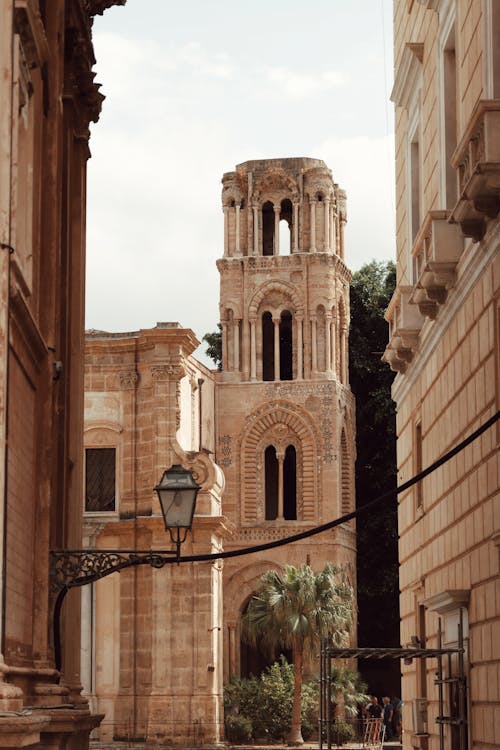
x,y
177,493
70,568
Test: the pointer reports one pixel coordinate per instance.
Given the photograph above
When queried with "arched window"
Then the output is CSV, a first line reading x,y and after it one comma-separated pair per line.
x,y
271,482
268,228
267,347
286,218
290,484
286,346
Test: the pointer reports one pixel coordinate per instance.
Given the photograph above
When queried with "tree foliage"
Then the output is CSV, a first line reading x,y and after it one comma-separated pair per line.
x,y
294,609
262,706
214,348
377,562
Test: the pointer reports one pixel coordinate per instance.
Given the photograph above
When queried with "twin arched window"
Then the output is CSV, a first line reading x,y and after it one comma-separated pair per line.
x,y
285,351
280,478
277,243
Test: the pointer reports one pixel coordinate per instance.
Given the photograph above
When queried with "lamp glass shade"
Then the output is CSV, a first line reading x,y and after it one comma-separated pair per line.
x,y
177,493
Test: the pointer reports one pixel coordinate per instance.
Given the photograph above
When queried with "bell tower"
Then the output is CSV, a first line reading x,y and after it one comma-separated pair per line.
x,y
285,412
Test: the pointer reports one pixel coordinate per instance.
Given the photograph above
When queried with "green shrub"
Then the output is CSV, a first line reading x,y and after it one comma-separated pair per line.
x,y
238,728
342,732
267,702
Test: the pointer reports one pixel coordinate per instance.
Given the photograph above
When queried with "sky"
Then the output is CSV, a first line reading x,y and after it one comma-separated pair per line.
x,y
194,88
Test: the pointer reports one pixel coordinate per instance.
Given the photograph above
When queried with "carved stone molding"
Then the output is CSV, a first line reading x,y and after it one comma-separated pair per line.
x,y
225,442
477,158
436,252
128,379
165,372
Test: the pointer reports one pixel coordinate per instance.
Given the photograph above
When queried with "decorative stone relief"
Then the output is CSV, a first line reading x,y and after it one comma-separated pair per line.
x,y
226,450
167,372
128,379
289,389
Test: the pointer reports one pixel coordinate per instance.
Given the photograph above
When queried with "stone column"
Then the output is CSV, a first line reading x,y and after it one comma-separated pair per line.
x,y
225,353
328,337
276,249
314,350
245,341
226,230
253,355
312,205
236,345
255,229
237,230
343,345
295,227
333,238
232,652
300,364
276,322
327,224
333,346
342,225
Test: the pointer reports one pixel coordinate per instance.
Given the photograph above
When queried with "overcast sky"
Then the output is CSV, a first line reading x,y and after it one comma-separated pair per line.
x,y
194,88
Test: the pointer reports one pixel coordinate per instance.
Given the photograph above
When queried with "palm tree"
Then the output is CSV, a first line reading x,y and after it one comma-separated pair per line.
x,y
348,690
294,609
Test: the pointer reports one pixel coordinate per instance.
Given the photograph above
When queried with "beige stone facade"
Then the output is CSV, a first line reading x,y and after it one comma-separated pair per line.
x,y
279,417
48,98
444,344
151,650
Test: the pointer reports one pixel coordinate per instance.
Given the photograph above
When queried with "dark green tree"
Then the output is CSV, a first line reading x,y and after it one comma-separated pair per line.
x,y
377,559
214,348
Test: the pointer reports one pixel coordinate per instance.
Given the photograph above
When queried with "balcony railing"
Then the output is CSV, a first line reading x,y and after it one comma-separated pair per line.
x,y
405,321
436,251
477,158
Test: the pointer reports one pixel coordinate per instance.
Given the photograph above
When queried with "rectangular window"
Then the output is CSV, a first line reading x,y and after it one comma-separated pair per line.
x,y
495,47
100,479
421,663
450,118
415,187
417,458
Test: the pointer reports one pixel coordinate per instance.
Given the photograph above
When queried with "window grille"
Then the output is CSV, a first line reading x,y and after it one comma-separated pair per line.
x,y
100,478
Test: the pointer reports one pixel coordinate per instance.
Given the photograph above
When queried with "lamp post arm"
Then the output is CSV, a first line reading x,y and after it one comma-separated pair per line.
x,y
78,567
73,568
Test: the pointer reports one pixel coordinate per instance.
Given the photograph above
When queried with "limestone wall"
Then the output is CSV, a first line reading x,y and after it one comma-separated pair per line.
x,y
444,344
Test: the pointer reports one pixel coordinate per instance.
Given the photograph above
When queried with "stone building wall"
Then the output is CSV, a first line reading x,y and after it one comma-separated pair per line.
x,y
151,652
444,343
48,98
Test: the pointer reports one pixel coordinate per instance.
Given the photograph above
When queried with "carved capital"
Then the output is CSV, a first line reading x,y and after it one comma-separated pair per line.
x,y
128,379
167,372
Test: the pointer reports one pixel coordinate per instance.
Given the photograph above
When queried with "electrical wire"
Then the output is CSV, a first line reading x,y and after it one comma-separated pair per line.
x,y
348,516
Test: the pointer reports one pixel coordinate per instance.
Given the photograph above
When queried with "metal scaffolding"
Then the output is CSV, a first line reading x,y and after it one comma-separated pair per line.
x,y
450,672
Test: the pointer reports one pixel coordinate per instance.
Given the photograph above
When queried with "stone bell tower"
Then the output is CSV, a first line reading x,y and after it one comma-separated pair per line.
x,y
285,412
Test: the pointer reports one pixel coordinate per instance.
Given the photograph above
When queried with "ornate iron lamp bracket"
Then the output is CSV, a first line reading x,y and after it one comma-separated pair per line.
x,y
70,568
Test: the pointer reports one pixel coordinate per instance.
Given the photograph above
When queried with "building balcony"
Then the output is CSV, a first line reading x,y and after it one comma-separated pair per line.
x,y
477,159
405,321
436,251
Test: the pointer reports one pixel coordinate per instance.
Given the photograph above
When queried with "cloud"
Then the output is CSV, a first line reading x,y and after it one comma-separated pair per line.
x,y
301,85
364,168
216,65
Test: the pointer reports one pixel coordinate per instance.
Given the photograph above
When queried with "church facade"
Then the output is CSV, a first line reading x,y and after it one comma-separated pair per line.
x,y
270,438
